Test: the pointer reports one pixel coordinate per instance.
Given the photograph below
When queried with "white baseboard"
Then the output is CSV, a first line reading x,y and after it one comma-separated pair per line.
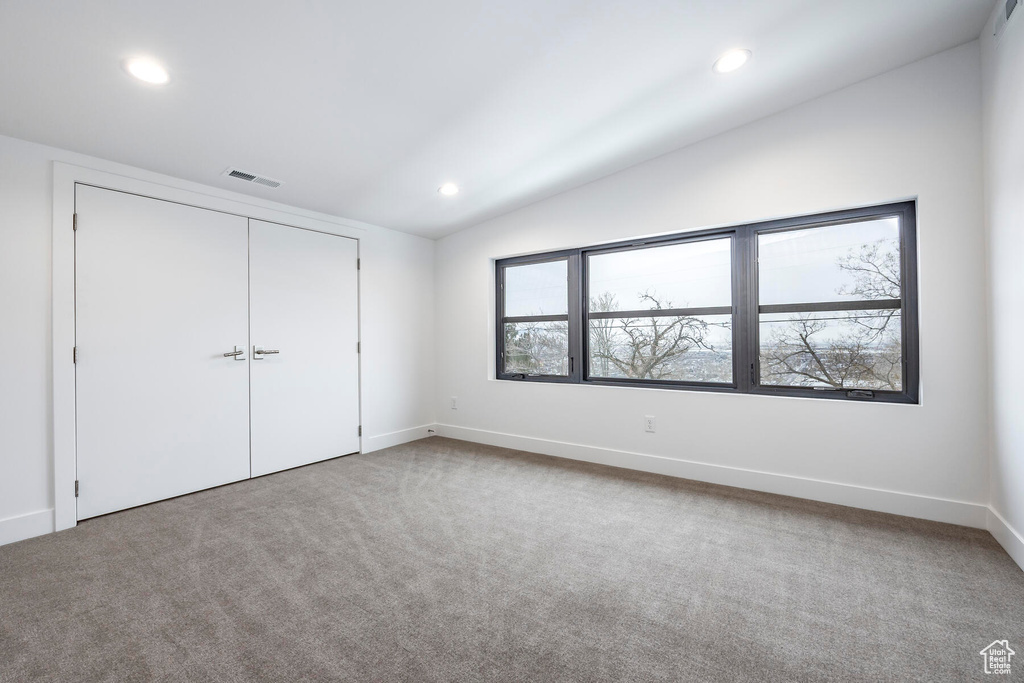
x,y
1008,537
379,441
41,522
26,526
975,515
908,504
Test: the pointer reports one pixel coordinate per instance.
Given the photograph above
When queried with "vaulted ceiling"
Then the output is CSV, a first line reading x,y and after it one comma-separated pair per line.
x,y
364,109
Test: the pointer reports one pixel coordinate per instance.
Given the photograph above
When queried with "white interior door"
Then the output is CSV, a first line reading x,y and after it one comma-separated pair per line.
x,y
161,296
304,316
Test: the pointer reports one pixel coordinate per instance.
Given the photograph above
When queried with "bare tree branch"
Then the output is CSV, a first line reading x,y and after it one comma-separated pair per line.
x,y
643,348
849,349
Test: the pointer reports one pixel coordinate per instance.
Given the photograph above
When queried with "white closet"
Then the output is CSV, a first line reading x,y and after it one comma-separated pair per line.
x,y
178,313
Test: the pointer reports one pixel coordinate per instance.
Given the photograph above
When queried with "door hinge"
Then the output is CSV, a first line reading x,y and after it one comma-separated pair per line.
x,y
74,354
74,222
76,488
753,375
360,430
359,347
359,265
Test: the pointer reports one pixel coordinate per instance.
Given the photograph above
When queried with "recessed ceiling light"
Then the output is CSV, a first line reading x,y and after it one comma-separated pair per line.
x,y
731,60
147,70
448,189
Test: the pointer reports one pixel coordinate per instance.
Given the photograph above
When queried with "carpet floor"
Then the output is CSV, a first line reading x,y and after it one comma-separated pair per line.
x,y
441,560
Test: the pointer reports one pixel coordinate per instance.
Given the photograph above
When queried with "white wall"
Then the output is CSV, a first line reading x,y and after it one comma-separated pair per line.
x,y
1003,69
913,132
396,297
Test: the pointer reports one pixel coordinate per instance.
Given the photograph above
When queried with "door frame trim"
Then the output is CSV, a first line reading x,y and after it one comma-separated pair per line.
x,y
156,186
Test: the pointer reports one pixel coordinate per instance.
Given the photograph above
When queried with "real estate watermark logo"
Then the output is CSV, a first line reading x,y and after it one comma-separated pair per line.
x,y
997,657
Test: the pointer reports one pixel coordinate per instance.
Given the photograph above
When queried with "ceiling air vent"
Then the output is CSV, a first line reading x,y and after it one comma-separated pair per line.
x,y
252,177
1003,16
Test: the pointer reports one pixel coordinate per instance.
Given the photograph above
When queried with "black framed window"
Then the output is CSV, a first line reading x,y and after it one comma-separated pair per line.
x,y
830,306
821,306
661,313
535,305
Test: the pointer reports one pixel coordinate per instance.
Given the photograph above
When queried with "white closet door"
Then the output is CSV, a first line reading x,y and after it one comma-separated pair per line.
x,y
303,294
161,296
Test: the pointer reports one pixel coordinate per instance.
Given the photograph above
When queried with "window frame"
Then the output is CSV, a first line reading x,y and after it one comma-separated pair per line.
x,y
745,308
571,257
653,243
907,214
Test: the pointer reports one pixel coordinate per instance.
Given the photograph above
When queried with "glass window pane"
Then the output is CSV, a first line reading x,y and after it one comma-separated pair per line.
x,y
848,262
680,348
688,275
839,350
537,289
537,348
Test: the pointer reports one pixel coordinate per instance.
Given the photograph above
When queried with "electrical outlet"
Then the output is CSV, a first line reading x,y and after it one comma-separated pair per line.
x,y
649,424
455,402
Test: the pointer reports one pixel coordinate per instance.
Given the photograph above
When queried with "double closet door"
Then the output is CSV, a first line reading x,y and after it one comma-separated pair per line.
x,y
210,348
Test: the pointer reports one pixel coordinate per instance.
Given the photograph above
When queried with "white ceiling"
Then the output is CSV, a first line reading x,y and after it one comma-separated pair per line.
x,y
364,108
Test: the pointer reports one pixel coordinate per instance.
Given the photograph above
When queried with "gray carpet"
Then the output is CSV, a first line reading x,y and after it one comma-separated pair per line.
x,y
447,561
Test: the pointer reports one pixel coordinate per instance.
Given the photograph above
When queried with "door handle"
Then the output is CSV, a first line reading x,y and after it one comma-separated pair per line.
x,y
236,354
258,352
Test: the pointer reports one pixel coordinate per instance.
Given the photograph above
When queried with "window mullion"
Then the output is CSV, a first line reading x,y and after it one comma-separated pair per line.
x,y
745,310
576,327
499,308
834,306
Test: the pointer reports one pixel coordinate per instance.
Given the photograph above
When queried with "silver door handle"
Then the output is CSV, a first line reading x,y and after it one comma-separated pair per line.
x,y
237,354
260,351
